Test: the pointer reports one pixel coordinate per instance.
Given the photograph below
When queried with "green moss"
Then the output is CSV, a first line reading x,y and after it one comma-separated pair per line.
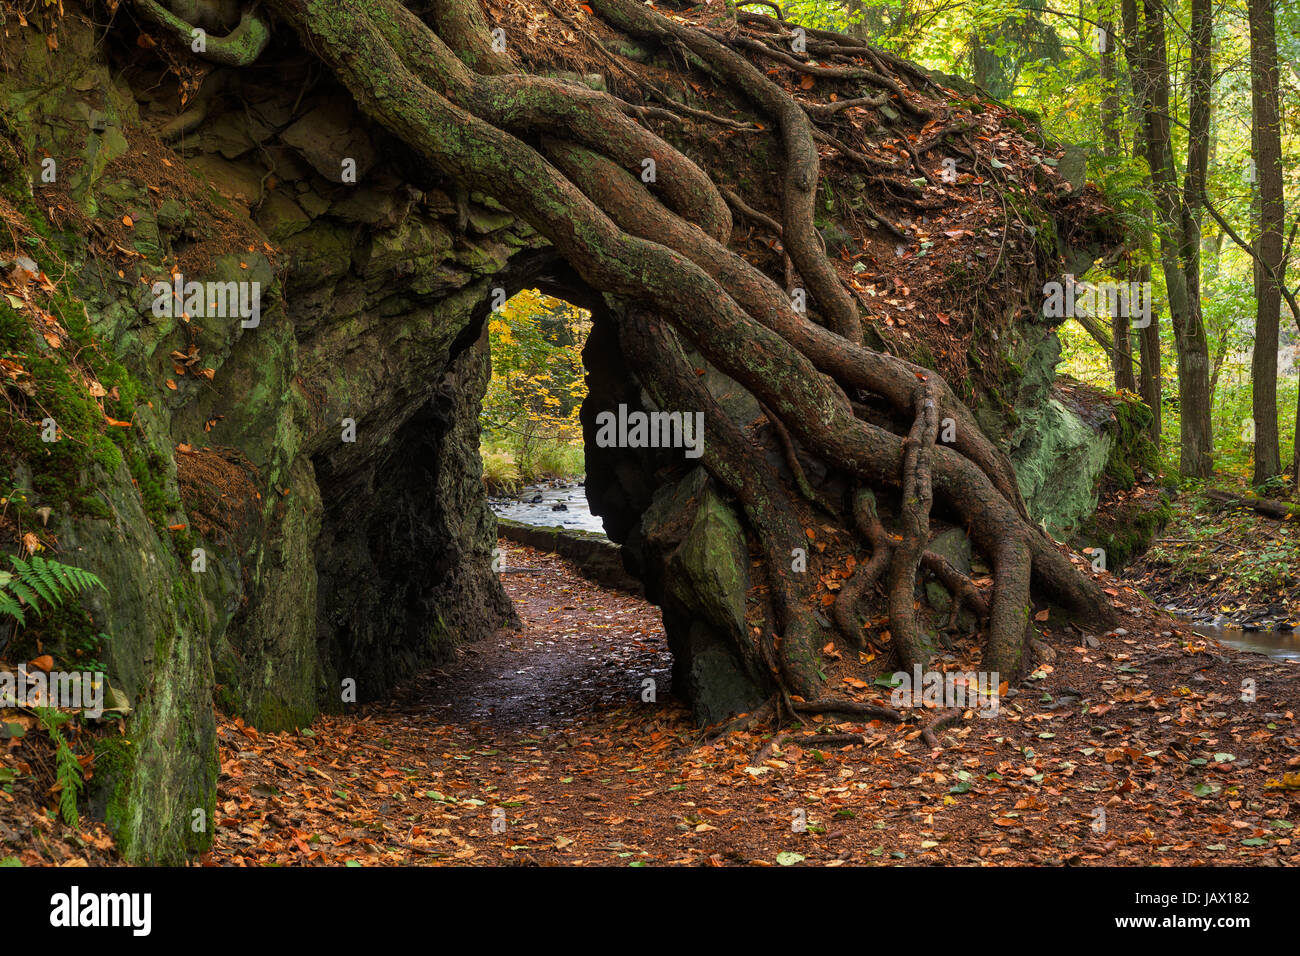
x,y
1131,444
1126,528
62,476
1126,531
110,786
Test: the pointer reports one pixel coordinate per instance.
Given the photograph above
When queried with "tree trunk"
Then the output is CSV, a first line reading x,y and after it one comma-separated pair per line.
x,y
1149,374
1152,389
1177,215
1121,356
856,12
1266,142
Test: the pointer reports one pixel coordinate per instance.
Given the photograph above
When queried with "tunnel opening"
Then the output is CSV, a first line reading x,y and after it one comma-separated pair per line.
x,y
534,466
408,560
587,640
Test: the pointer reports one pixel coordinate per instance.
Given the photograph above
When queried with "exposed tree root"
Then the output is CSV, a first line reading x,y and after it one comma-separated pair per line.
x,y
848,603
241,47
963,591
569,162
854,708
801,173
828,72
930,732
779,741
918,495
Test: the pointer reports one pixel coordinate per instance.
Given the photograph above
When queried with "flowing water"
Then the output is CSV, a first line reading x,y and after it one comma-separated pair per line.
x,y
535,505
1282,645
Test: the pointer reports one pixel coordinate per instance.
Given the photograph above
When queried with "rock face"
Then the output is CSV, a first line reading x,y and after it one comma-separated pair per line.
x,y
294,518
322,460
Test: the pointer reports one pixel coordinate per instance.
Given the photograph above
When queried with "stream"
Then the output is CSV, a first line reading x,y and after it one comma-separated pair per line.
x,y
1280,645
536,505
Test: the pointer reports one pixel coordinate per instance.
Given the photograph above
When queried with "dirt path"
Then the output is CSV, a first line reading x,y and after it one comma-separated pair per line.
x,y
535,749
582,650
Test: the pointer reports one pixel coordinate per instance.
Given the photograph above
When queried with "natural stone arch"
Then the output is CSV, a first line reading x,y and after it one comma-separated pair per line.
x,y
372,292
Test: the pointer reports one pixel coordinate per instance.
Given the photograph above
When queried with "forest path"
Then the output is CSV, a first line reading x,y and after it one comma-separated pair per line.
x,y
534,748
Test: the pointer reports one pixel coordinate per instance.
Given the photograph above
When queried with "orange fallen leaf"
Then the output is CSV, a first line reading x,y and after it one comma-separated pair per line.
x,y
44,663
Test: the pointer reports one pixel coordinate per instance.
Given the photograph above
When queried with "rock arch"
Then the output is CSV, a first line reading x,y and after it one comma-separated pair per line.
x,y
366,559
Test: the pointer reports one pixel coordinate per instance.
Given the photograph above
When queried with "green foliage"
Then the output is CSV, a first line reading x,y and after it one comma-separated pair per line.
x,y
530,412
1238,552
37,580
67,768
500,473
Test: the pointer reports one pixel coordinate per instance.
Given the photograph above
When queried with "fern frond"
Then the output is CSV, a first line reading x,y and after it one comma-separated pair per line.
x,y
9,606
25,594
40,579
32,578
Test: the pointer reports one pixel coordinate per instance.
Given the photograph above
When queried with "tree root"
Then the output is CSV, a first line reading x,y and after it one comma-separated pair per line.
x,y
833,705
845,611
791,455
929,733
779,741
801,173
824,111
241,47
918,496
963,591
827,72
740,206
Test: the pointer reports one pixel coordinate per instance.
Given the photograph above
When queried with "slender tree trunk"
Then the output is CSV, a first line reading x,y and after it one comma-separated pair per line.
x,y
1266,142
1111,116
1150,373
1177,216
857,17
1152,386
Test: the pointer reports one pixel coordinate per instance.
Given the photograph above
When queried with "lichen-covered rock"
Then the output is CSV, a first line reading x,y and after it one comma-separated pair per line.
x,y
704,556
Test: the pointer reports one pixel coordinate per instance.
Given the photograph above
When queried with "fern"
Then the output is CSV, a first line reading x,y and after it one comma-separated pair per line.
x,y
66,767
37,580
10,605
